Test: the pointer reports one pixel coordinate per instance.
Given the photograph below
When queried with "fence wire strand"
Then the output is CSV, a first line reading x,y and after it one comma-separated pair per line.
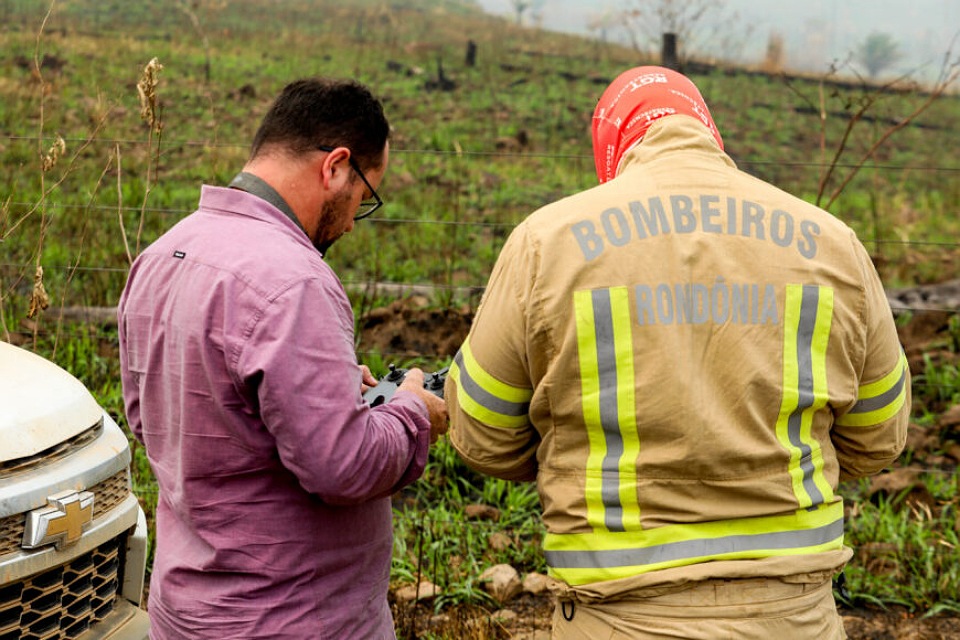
x,y
172,143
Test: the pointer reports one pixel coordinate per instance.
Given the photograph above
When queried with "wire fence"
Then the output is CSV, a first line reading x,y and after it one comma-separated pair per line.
x,y
367,282
79,267
168,143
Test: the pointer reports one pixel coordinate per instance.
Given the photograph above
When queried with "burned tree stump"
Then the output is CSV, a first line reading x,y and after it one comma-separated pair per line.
x,y
668,52
471,60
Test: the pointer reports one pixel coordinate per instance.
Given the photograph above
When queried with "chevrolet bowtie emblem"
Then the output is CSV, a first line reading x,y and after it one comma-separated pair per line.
x,y
61,522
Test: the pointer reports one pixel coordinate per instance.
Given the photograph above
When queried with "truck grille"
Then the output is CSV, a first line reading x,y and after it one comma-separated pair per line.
x,y
107,495
64,601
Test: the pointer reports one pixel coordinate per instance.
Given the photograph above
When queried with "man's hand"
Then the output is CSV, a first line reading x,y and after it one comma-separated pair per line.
x,y
368,381
437,408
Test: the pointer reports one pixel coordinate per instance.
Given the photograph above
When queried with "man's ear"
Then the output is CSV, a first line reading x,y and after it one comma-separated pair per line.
x,y
335,168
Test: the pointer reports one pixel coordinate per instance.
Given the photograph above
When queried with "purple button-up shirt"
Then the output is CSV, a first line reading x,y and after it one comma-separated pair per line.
x,y
240,377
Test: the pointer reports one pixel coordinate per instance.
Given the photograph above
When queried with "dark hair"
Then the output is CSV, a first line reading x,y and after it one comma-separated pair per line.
x,y
322,111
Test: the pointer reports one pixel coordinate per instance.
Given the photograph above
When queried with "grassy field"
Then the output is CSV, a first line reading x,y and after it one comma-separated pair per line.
x,y
86,182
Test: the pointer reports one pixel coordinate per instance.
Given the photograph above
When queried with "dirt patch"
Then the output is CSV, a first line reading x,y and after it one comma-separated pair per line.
x,y
898,625
529,618
411,327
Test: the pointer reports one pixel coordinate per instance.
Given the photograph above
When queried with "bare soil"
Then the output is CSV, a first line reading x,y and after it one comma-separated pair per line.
x,y
529,618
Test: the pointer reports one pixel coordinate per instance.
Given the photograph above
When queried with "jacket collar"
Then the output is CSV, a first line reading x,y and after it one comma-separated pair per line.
x,y
674,134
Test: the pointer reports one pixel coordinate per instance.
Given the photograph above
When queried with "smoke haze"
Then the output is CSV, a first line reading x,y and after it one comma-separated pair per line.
x,y
816,33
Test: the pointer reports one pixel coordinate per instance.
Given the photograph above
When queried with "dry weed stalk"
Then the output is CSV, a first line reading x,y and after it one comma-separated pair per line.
x,y
147,90
3,316
76,263
47,190
38,297
49,160
39,300
948,75
150,112
4,216
123,229
195,22
57,150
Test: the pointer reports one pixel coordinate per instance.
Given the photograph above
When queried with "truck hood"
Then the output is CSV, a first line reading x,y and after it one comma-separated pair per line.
x,y
41,405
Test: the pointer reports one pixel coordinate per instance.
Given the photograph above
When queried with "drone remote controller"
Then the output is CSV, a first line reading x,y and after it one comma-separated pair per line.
x,y
432,382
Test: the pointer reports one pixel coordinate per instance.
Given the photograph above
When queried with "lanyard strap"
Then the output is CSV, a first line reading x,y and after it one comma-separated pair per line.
x,y
254,185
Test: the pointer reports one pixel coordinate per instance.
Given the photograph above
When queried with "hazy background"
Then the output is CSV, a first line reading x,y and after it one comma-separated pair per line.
x,y
815,32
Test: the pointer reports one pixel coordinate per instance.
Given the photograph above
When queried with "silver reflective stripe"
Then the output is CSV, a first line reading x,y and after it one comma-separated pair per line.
x,y
695,549
883,400
486,399
805,397
609,415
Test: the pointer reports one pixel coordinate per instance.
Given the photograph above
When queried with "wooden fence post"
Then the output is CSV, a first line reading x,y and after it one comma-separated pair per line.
x,y
668,52
471,53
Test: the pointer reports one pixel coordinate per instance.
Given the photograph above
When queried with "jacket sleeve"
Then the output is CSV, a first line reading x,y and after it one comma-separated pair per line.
x,y
871,433
489,388
299,363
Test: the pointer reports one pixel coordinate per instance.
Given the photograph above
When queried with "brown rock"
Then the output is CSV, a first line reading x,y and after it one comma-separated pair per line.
x,y
920,438
895,481
499,541
504,616
426,590
502,582
481,512
953,451
535,634
536,583
950,419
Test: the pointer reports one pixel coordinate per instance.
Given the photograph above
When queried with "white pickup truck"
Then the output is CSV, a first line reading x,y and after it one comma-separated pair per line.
x,y
73,538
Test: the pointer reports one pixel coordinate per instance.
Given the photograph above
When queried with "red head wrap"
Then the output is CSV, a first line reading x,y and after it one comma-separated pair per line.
x,y
630,105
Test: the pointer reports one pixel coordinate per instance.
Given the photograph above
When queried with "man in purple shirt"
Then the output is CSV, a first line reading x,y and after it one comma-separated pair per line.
x,y
240,377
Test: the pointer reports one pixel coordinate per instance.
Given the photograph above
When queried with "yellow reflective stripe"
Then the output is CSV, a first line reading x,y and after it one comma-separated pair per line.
x,y
501,390
486,399
821,394
886,383
879,401
626,407
808,313
593,557
791,389
590,401
605,344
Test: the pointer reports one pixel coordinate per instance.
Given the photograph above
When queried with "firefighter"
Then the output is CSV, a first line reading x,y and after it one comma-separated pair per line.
x,y
688,361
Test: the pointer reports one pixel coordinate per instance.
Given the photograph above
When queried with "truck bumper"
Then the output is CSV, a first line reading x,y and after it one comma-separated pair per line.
x,y
125,622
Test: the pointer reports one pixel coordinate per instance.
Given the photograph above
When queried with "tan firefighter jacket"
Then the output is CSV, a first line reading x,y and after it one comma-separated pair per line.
x,y
687,360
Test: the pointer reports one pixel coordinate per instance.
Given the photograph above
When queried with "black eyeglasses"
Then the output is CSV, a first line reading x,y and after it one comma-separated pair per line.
x,y
367,206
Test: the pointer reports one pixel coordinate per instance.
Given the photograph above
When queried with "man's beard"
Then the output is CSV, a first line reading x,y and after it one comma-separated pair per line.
x,y
331,212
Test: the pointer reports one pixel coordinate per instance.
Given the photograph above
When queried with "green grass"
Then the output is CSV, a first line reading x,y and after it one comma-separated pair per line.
x,y
439,543
459,181
908,553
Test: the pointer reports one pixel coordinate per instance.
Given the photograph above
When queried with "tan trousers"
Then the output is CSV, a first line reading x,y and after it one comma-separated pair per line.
x,y
743,609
